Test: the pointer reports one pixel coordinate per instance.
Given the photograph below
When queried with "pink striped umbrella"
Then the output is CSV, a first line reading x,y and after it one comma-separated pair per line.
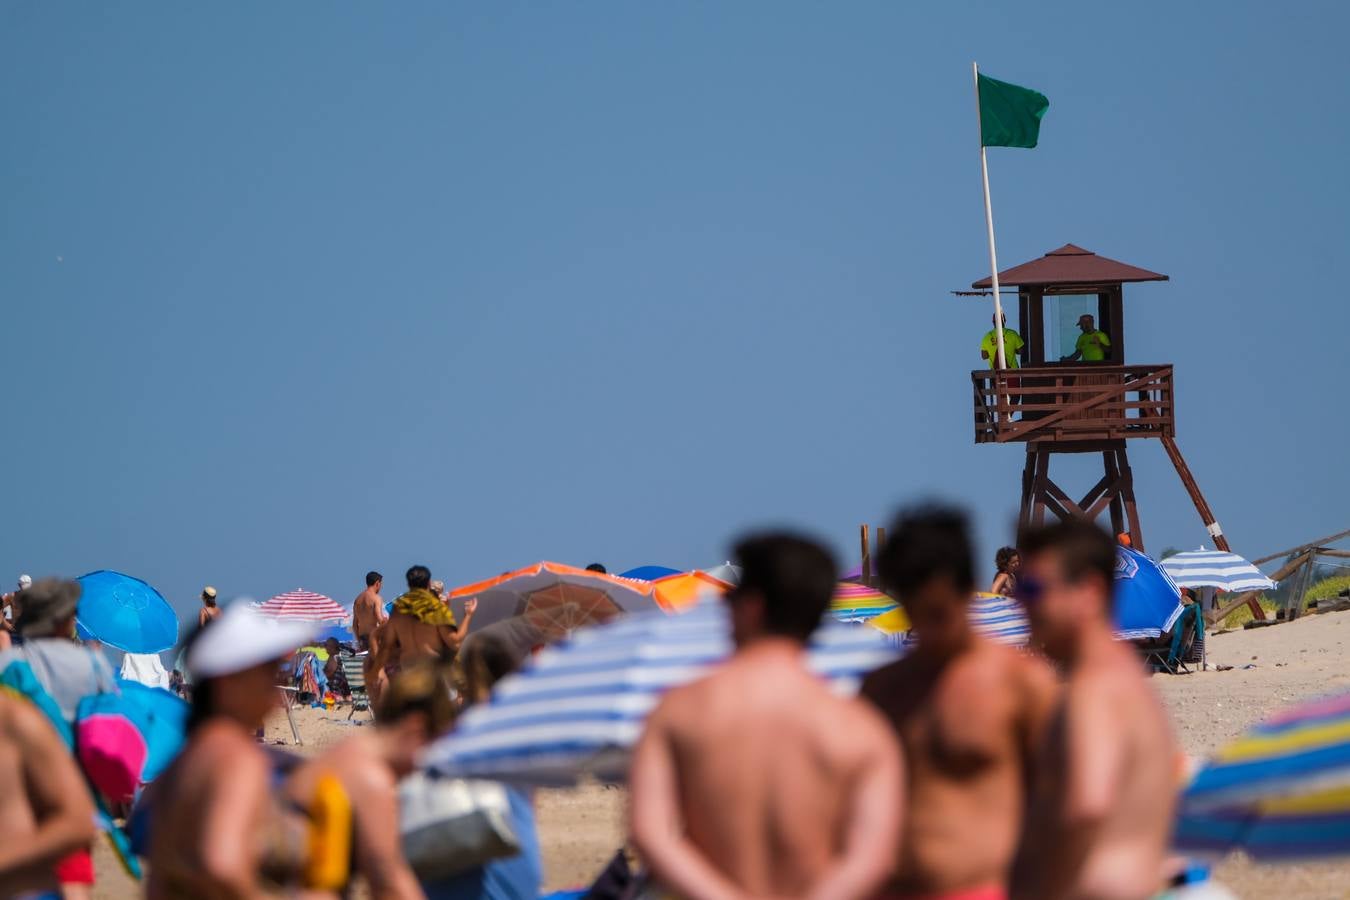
x,y
304,605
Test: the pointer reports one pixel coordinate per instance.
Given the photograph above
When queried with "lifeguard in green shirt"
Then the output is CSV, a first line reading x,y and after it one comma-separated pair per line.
x,y
1093,345
1012,345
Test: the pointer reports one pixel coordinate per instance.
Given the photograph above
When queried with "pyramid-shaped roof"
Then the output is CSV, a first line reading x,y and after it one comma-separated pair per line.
x,y
1071,264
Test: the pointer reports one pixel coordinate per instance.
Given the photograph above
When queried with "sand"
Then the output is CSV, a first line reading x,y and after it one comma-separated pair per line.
x,y
581,829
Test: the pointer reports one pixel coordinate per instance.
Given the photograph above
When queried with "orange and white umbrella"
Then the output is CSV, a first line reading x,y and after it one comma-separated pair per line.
x,y
676,592
555,598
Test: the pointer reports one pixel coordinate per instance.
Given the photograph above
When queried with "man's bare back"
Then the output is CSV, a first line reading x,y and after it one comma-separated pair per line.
x,y
1099,826
405,641
967,725
773,777
367,614
45,809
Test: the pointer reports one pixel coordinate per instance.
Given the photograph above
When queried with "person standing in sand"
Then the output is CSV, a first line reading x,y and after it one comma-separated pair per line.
x,y
420,628
968,712
1099,820
758,780
213,825
209,608
368,610
45,809
416,708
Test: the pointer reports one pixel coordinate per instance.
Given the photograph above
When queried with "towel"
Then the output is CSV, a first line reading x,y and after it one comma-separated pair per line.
x,y
425,607
146,669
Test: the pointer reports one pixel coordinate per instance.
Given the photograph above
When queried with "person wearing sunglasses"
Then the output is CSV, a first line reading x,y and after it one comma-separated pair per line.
x,y
1098,821
969,713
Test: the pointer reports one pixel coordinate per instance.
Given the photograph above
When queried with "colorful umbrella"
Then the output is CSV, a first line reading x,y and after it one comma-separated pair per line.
x,y
579,707
675,592
858,603
125,613
649,573
1147,601
554,597
1281,791
161,718
998,618
305,606
1214,568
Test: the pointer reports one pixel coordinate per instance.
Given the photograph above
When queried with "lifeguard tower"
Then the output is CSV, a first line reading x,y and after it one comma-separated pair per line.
x,y
1074,407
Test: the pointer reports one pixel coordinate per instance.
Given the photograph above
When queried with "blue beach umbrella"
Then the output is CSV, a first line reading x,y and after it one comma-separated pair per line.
x,y
339,633
1147,601
125,613
161,718
579,707
649,573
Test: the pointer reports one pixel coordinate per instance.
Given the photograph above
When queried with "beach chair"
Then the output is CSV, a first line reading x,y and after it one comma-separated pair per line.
x,y
354,667
1176,649
288,694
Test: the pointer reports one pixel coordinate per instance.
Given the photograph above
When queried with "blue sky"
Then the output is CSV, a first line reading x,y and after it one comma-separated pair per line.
x,y
292,291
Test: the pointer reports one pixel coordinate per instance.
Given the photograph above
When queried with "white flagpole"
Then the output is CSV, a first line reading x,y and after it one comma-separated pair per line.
x,y
1002,359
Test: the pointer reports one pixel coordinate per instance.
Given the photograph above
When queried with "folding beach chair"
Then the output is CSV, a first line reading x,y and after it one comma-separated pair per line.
x,y
288,694
354,667
1172,651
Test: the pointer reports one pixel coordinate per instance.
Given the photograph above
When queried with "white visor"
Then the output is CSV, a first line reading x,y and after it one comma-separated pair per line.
x,y
241,638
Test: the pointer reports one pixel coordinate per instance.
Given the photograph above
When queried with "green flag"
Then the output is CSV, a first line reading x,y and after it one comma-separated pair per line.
x,y
1010,116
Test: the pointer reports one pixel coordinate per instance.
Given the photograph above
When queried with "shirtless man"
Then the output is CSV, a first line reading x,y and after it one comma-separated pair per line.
x,y
422,627
968,712
758,780
45,810
1098,823
368,610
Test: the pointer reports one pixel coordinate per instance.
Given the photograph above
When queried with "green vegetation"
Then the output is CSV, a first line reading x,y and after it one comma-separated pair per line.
x,y
1329,587
1243,614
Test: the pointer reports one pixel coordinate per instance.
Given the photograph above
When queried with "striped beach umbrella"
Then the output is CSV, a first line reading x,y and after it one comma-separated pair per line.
x,y
304,605
859,603
1225,571
579,707
998,618
1281,791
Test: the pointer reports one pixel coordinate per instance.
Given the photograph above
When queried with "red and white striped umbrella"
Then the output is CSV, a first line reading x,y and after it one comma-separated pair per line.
x,y
304,605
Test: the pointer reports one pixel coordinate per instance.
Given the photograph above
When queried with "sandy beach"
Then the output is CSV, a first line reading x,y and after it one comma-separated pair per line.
x,y
581,829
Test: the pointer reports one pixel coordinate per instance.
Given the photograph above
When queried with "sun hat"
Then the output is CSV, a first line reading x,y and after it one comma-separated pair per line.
x,y
241,638
209,592
25,582
45,603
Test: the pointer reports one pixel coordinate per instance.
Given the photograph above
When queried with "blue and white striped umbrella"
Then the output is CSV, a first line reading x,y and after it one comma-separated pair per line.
x,y
579,708
1217,569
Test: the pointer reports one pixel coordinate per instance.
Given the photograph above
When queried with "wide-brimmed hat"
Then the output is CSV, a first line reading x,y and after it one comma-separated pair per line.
x,y
209,592
241,638
44,604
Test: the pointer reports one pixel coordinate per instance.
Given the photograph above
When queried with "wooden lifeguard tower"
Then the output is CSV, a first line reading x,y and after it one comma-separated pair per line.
x,y
1076,407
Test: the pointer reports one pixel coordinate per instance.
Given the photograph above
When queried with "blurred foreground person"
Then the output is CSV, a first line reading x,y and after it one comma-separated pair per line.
x,y
757,779
213,823
968,712
486,660
416,708
45,809
66,671
1099,821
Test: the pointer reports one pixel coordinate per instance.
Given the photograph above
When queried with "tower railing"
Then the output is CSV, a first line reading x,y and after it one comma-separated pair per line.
x,y
1100,402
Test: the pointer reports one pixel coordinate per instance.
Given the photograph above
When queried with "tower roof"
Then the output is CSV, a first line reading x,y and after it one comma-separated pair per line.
x,y
1071,264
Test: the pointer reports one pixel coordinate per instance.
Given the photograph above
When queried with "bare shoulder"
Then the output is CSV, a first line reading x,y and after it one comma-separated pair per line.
x,y
24,723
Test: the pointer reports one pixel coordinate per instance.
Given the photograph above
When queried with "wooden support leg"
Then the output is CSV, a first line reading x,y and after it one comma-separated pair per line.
x,y
1038,488
1202,507
1127,495
1028,480
1116,503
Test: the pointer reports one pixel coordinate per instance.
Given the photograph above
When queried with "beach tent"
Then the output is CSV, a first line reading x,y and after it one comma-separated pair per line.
x,y
1216,569
304,606
125,613
579,707
1279,792
557,598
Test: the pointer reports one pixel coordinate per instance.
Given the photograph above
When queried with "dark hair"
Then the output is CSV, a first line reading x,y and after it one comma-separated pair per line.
x,y
372,577
1083,549
1003,557
597,567
419,577
487,660
796,577
924,543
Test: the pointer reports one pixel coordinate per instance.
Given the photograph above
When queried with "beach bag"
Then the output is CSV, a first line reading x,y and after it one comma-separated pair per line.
x,y
110,747
453,825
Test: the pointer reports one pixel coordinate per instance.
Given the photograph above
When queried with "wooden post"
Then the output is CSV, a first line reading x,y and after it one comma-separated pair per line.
x,y
866,556
1127,494
881,544
1250,596
1299,601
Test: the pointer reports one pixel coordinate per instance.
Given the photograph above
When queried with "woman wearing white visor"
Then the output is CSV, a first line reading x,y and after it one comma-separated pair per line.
x,y
213,818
